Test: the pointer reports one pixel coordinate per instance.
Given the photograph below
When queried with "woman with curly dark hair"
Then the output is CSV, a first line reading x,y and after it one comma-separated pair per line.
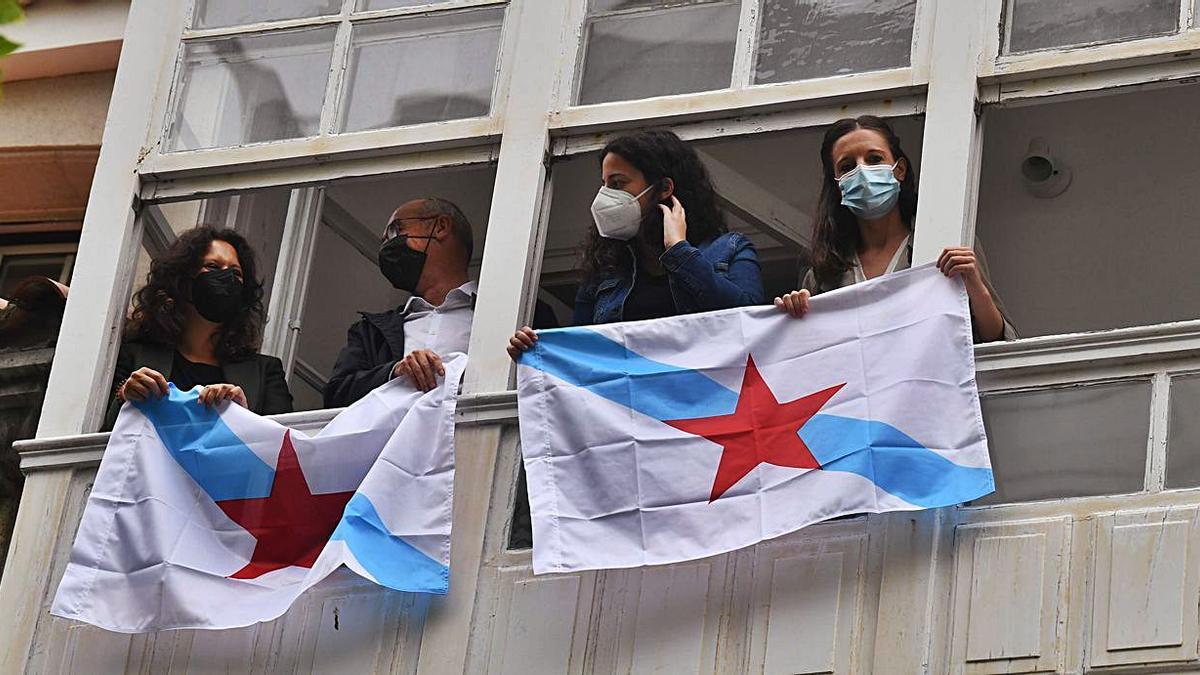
x,y
660,246
197,322
864,225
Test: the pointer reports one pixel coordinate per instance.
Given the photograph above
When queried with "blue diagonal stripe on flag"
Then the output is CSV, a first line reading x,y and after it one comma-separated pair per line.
x,y
877,451
392,561
585,358
210,452
892,460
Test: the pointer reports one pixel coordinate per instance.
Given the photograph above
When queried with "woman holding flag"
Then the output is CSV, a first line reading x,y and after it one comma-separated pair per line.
x,y
864,225
197,322
660,246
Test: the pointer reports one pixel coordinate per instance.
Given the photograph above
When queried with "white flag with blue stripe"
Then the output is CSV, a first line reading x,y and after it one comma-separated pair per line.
x,y
220,518
660,441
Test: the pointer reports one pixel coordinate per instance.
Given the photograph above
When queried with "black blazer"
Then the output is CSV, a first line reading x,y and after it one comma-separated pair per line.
x,y
373,346
259,376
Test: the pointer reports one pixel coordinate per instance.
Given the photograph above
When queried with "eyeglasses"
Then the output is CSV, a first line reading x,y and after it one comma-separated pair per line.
x,y
393,227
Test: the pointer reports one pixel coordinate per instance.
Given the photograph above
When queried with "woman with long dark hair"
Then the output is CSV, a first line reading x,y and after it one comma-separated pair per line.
x,y
863,226
197,322
659,246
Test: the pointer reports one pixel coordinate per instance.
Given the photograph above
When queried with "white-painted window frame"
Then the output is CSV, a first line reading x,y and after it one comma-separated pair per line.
x,y
162,165
950,102
955,70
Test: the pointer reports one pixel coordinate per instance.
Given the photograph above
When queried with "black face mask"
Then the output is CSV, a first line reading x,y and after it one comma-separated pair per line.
x,y
400,264
217,296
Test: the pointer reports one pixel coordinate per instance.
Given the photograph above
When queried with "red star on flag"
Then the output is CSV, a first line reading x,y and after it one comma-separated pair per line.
x,y
760,430
292,525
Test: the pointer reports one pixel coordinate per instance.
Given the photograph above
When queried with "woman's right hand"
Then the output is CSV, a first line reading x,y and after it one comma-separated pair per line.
x,y
142,384
794,303
521,342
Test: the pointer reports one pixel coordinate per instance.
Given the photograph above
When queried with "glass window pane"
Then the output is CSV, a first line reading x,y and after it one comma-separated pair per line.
x,y
368,5
251,89
219,13
1043,24
15,268
617,5
426,69
646,54
1183,436
1068,442
804,39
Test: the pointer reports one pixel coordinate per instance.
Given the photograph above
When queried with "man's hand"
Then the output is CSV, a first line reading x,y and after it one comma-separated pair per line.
x,y
422,367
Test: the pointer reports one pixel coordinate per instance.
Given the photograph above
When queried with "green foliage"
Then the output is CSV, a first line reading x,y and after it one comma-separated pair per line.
x,y
7,46
9,11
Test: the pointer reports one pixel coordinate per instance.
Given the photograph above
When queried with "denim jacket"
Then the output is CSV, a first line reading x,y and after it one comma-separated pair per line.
x,y
720,273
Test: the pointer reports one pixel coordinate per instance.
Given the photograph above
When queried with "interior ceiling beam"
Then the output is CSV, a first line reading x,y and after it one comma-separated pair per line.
x,y
756,205
157,234
354,232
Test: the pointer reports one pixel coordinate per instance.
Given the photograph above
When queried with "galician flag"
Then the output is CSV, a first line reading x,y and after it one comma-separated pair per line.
x,y
660,441
219,518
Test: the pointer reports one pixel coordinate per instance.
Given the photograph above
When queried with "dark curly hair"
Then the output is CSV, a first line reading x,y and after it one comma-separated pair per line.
x,y
158,306
835,235
658,154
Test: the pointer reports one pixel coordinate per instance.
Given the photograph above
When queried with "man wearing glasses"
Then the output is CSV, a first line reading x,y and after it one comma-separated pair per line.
x,y
425,250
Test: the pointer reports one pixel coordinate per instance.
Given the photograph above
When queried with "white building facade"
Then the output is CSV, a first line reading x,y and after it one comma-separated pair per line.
x,y
304,123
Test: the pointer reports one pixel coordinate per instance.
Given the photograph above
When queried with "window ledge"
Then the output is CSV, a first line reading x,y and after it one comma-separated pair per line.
x,y
1075,350
85,450
1055,352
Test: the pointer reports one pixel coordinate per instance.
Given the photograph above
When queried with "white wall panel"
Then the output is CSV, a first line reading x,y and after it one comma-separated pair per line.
x,y
535,624
1146,588
657,619
1010,592
808,608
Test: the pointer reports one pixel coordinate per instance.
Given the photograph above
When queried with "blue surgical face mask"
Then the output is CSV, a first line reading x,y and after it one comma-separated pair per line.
x,y
870,192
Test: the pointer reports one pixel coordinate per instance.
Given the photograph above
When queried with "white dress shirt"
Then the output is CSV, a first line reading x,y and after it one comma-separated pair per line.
x,y
442,329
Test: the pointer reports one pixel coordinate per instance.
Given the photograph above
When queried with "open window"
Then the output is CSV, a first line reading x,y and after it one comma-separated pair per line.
x,y
1085,217
317,249
767,185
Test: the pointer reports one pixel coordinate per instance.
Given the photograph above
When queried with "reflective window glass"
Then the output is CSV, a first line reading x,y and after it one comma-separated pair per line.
x,y
1044,24
426,69
368,5
1183,435
1068,442
250,89
804,39
220,13
657,52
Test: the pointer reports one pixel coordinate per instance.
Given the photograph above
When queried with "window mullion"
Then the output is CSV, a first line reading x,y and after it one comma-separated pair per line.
x,y
506,282
338,61
950,156
1160,421
260,27
747,38
291,275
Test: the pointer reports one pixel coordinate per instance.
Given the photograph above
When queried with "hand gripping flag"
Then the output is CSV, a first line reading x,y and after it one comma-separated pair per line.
x,y
219,518
659,441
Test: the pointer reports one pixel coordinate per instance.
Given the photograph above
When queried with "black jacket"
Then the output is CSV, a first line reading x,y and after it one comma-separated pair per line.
x,y
373,346
259,376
